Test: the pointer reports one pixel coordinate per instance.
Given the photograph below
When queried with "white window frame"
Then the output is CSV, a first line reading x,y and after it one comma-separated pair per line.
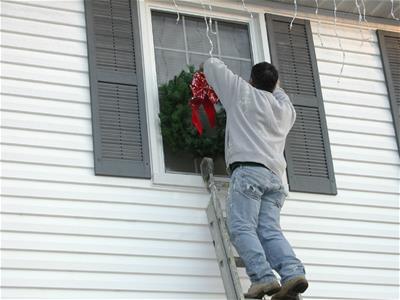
x,y
260,52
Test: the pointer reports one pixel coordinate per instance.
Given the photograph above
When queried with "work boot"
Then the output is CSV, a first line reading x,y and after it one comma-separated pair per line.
x,y
291,289
259,290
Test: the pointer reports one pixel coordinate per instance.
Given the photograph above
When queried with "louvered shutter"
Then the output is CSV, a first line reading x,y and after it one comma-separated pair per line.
x,y
389,43
116,86
307,151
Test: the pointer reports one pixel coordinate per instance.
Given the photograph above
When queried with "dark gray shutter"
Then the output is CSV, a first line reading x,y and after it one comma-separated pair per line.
x,y
389,43
307,150
116,87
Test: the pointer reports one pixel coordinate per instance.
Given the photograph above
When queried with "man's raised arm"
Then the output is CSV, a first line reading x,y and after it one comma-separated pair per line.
x,y
222,80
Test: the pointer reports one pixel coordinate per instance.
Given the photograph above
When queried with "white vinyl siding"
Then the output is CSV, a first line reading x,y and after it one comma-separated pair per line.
x,y
70,234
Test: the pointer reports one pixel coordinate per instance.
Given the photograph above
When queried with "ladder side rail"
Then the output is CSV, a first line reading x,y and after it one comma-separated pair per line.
x,y
226,242
232,289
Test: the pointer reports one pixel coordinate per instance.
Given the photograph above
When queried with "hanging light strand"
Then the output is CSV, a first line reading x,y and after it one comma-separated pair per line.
x,y
360,19
319,24
335,11
178,17
246,9
210,19
364,11
207,29
340,42
392,11
209,38
295,14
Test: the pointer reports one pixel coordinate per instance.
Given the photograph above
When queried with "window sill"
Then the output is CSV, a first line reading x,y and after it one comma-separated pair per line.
x,y
183,180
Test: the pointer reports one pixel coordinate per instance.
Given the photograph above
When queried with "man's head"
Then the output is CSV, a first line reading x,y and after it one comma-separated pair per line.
x,y
264,76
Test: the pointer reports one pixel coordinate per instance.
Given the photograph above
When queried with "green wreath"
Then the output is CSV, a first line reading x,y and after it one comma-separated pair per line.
x,y
177,129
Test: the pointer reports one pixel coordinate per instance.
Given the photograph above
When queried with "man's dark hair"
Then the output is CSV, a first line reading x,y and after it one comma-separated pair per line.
x,y
264,76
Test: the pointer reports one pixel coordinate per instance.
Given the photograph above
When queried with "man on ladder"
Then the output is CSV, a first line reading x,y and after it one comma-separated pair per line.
x,y
259,117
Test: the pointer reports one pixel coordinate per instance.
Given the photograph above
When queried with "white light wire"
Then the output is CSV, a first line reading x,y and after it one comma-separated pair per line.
x,y
340,42
246,9
360,19
364,11
295,14
319,23
392,11
207,29
177,12
210,19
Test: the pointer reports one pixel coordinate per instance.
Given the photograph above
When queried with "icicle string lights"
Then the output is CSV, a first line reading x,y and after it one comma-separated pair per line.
x,y
209,38
359,11
177,12
210,19
295,14
363,4
211,26
335,11
246,9
208,29
319,24
340,42
360,18
392,11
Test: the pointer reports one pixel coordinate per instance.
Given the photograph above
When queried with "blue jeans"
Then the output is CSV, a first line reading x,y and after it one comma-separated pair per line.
x,y
255,199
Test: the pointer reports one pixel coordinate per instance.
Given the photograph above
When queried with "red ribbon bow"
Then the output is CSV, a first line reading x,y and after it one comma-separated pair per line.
x,y
204,95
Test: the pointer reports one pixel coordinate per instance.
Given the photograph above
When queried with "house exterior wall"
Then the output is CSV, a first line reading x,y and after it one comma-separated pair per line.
x,y
70,234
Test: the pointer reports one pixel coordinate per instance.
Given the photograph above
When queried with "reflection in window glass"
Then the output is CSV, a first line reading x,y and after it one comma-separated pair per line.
x,y
179,45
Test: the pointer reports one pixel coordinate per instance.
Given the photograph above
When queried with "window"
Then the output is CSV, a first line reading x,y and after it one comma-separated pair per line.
x,y
179,45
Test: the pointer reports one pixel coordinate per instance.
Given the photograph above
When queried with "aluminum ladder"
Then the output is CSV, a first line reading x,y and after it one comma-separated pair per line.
x,y
227,262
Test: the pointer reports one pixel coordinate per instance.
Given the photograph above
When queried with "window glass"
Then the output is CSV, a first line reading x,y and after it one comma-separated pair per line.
x,y
169,64
168,34
234,40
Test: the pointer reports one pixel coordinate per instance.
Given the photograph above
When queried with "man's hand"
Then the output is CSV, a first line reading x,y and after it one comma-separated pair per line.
x,y
201,67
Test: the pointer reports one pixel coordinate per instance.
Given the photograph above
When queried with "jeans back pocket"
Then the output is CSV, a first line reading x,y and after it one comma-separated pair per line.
x,y
247,186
